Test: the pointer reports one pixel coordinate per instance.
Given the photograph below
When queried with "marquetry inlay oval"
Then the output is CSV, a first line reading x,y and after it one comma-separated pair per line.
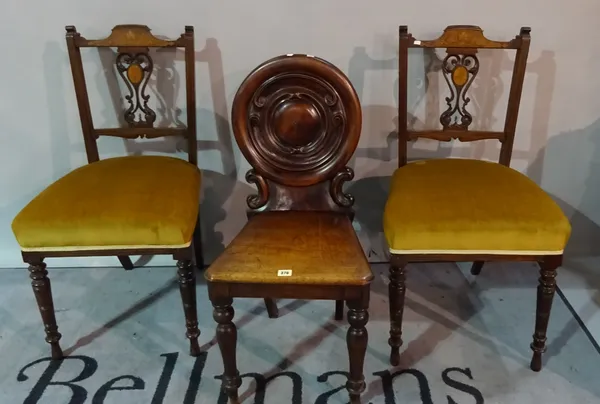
x,y
460,76
135,74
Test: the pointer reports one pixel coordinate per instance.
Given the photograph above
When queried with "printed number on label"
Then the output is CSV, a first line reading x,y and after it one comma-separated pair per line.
x,y
284,272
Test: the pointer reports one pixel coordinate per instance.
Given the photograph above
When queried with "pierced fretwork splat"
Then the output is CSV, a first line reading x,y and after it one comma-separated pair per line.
x,y
135,67
459,70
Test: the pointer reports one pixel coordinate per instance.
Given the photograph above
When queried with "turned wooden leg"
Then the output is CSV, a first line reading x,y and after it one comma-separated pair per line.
x,y
397,289
227,339
197,242
545,294
356,339
187,287
125,262
43,295
272,309
476,267
339,310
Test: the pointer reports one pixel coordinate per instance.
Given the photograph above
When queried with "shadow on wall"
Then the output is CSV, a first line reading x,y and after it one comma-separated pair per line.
x,y
217,187
55,64
378,146
571,163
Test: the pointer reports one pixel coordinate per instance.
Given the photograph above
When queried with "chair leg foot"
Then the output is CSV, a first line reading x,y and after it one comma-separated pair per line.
x,y
476,267
194,348
56,351
272,309
536,362
187,288
357,339
395,356
545,294
339,310
227,339
397,290
43,295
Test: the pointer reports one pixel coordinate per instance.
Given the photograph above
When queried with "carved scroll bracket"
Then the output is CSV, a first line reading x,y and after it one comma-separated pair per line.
x,y
342,199
261,198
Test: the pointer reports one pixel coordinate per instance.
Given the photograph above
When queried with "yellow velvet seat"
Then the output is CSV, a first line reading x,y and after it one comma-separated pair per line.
x,y
461,206
123,202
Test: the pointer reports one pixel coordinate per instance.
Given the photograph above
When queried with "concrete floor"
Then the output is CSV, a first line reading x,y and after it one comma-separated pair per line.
x,y
466,340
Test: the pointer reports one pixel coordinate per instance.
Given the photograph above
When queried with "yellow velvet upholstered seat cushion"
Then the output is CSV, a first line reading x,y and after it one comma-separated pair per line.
x,y
123,202
460,206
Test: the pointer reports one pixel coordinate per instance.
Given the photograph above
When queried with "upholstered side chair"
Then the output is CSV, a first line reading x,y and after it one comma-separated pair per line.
x,y
133,205
463,209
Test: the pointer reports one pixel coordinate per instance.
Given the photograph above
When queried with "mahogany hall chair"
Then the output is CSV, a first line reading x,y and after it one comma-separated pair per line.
x,y
297,120
120,206
464,209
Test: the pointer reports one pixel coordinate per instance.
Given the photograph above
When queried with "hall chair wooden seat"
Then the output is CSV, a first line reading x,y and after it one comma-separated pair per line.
x,y
464,209
297,120
133,205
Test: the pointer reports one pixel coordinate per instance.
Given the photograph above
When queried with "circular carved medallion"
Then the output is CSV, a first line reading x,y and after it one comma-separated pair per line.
x,y
297,120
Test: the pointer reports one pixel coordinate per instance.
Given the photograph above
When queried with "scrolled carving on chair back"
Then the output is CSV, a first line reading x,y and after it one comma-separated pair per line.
x,y
459,69
135,66
297,120
135,69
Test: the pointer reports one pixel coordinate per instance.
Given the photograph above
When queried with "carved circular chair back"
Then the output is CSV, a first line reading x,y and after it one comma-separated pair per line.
x,y
297,120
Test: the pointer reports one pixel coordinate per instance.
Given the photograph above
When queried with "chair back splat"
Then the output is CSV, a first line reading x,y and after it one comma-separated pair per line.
x,y
297,120
459,68
135,66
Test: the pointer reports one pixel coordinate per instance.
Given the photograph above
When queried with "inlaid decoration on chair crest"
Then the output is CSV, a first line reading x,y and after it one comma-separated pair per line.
x,y
459,71
135,67
465,37
460,68
130,35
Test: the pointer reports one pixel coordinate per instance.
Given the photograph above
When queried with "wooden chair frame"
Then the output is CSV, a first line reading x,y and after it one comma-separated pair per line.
x,y
128,39
307,174
461,40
